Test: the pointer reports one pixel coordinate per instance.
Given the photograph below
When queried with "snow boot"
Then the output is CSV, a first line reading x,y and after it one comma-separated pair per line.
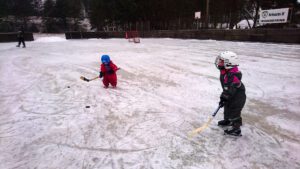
x,y
224,123
233,131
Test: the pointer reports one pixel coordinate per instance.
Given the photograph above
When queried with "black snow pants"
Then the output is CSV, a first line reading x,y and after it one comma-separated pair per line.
x,y
21,40
233,108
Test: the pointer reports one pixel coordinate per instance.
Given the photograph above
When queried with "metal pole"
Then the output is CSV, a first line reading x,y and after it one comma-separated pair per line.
x,y
291,15
207,12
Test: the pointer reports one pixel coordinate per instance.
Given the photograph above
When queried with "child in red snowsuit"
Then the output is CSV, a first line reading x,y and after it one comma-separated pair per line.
x,y
108,72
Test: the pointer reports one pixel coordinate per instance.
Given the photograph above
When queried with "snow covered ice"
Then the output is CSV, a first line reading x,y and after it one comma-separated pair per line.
x,y
166,88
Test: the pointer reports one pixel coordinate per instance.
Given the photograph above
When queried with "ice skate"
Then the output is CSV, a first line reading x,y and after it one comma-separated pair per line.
x,y
233,131
224,123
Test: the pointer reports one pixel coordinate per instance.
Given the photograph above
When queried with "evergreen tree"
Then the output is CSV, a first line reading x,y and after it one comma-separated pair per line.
x,y
48,13
3,8
22,8
48,8
38,7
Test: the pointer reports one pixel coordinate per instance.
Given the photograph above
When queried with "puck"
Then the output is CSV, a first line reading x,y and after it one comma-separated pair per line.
x,y
87,106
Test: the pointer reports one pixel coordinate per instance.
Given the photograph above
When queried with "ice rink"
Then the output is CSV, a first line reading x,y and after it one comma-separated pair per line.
x,y
166,88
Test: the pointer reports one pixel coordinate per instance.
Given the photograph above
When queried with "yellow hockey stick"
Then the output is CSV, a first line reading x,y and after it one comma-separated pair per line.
x,y
205,125
86,79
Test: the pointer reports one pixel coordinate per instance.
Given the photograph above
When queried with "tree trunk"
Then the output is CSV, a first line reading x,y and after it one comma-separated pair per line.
x,y
256,13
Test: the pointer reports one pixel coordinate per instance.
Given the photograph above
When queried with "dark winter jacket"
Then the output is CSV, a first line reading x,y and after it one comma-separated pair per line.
x,y
21,33
231,84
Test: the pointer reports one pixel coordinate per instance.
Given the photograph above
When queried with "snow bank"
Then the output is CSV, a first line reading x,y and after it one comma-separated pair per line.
x,y
49,39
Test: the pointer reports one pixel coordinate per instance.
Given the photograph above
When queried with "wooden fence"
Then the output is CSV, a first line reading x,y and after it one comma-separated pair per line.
x,y
252,35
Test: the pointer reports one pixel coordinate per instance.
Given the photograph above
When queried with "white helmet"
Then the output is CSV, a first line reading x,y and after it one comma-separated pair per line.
x,y
227,60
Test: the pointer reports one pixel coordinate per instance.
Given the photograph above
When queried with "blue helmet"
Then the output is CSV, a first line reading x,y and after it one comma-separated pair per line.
x,y
105,59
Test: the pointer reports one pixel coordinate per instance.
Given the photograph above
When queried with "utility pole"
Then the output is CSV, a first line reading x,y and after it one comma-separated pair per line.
x,y
207,13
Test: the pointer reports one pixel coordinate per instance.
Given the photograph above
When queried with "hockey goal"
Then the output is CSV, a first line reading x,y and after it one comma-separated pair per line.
x,y
133,36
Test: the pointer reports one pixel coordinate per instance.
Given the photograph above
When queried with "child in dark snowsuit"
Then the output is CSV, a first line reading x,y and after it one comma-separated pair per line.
x,y
20,37
233,97
108,72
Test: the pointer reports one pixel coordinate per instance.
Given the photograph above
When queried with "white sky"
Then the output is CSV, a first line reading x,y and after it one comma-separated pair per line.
x,y
166,88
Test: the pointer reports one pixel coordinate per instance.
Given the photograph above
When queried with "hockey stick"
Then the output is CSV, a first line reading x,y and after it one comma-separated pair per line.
x,y
205,125
86,79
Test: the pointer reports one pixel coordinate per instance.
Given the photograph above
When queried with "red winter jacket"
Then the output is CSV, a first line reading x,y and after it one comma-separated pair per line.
x,y
109,73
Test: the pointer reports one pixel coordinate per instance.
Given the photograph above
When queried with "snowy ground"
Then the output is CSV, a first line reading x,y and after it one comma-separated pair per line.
x,y
166,88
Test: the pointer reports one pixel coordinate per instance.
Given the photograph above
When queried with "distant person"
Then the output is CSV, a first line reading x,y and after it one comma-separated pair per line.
x,y
233,97
108,71
20,36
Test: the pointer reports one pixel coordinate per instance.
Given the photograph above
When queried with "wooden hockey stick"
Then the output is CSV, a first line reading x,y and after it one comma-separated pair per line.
x,y
205,125
87,80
